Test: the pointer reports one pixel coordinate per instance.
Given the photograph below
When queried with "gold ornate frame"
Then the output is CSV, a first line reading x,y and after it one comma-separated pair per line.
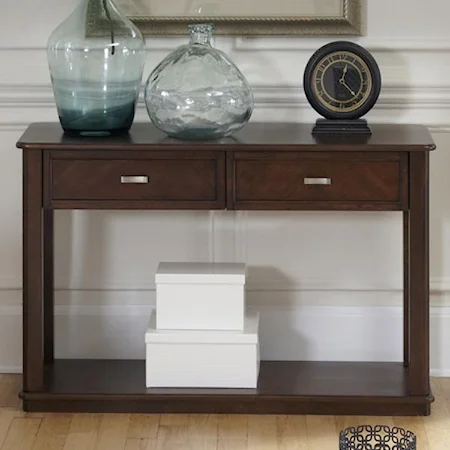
x,y
349,23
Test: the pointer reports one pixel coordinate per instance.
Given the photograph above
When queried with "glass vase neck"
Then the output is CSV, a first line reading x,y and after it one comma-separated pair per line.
x,y
201,34
101,10
98,3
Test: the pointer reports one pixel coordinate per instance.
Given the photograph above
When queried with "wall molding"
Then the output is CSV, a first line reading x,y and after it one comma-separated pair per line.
x,y
13,127
438,285
425,96
381,44
308,43
417,102
139,310
431,104
157,43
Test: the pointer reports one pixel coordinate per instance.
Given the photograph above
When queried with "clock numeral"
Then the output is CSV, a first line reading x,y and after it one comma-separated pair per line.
x,y
321,93
342,56
322,67
341,105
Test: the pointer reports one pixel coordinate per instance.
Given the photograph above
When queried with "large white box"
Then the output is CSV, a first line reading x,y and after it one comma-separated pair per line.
x,y
203,359
200,296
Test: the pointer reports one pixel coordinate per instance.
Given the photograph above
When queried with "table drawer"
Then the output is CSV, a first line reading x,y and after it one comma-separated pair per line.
x,y
331,181
170,180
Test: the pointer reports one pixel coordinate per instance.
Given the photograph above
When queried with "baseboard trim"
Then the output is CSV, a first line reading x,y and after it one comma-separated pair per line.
x,y
440,373
11,370
287,332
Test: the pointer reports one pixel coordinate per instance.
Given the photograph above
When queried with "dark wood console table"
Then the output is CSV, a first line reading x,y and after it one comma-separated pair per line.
x,y
263,167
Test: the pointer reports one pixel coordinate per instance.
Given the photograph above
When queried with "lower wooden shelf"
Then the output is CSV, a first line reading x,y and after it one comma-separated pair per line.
x,y
285,387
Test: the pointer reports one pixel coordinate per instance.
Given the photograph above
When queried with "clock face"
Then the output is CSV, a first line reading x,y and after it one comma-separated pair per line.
x,y
342,81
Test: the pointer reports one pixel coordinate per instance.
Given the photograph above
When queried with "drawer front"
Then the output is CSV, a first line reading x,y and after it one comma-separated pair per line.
x,y
298,181
164,180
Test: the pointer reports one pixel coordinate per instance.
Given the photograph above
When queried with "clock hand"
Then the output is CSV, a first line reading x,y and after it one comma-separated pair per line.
x,y
343,73
342,81
345,70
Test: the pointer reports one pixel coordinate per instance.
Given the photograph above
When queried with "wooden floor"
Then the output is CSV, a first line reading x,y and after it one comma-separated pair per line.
x,y
33,431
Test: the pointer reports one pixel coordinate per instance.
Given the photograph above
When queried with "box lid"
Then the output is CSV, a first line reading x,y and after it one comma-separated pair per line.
x,y
200,272
248,336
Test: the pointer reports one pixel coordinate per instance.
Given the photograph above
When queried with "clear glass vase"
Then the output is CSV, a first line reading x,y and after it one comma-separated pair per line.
x,y
197,92
96,61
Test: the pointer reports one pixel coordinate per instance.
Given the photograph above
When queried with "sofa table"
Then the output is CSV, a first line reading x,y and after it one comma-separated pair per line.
x,y
265,166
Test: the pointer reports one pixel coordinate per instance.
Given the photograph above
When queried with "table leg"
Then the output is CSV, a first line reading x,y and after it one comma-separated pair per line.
x,y
33,358
419,305
49,325
406,288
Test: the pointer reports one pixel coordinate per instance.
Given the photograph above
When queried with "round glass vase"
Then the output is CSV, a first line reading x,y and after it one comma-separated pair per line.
x,y
197,92
96,61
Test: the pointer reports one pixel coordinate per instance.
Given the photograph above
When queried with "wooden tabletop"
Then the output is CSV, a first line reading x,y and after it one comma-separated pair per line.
x,y
255,136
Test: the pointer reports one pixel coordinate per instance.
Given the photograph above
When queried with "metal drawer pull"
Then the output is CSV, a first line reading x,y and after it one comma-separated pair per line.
x,y
135,179
317,180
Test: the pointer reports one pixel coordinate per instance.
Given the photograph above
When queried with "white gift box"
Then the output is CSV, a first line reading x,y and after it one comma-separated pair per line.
x,y
200,296
203,359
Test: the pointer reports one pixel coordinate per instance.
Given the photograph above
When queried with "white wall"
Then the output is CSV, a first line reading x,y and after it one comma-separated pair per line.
x,y
320,297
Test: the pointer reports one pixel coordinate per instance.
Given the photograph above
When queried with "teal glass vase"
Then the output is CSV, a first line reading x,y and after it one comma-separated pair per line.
x,y
197,92
96,60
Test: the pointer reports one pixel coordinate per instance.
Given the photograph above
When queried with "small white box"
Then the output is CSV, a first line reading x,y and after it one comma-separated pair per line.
x,y
203,359
200,296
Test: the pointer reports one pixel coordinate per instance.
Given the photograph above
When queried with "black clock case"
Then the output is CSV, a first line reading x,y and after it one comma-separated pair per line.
x,y
347,118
